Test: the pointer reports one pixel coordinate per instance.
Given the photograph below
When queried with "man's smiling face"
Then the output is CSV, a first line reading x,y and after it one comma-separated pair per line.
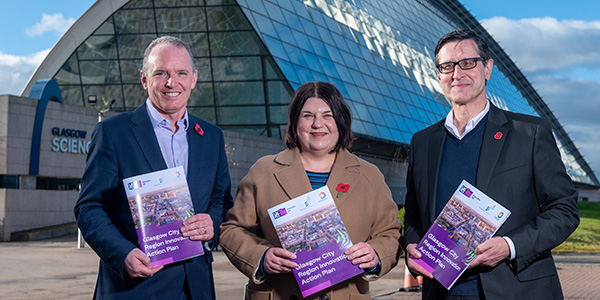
x,y
169,79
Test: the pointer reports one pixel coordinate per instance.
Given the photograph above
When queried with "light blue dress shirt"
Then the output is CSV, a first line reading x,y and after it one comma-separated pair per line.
x,y
173,145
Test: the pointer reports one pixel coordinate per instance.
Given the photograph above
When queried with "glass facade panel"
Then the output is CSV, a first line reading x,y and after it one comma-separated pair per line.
x,y
288,70
278,114
204,69
69,72
276,48
302,40
279,93
266,24
237,68
106,28
202,95
184,19
312,62
242,115
271,69
198,42
175,3
100,71
134,96
276,133
248,129
240,93
294,54
98,47
362,112
234,43
130,71
226,18
220,2
133,45
250,54
135,21
72,95
205,113
138,4
304,74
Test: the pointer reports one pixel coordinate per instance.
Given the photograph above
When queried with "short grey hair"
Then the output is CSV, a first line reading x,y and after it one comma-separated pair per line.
x,y
168,40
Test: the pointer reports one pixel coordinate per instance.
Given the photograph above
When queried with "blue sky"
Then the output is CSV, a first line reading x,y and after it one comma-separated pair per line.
x,y
555,43
557,46
21,36
30,28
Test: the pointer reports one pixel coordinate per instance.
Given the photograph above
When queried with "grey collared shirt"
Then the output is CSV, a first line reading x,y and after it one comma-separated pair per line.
x,y
173,145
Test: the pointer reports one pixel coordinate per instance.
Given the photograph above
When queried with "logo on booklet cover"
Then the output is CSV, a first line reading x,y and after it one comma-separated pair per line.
x,y
134,185
467,192
279,213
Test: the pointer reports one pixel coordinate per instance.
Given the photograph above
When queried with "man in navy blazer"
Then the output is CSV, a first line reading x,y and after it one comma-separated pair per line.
x,y
513,158
159,134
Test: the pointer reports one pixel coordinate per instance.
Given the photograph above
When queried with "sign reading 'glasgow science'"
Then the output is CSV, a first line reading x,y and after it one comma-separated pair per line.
x,y
69,141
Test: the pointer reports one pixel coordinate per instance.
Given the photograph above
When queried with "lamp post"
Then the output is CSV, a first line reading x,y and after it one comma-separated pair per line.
x,y
92,100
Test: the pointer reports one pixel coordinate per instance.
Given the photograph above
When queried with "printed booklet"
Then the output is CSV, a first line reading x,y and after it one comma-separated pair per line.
x,y
469,218
160,201
311,227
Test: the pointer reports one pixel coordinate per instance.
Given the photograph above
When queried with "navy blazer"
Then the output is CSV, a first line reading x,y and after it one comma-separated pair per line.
x,y
519,167
123,146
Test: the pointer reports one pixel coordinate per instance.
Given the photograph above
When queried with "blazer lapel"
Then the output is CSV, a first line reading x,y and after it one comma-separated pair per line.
x,y
493,139
146,138
436,144
196,148
293,179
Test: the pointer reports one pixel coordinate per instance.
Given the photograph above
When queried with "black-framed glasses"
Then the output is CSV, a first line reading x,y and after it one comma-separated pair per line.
x,y
464,64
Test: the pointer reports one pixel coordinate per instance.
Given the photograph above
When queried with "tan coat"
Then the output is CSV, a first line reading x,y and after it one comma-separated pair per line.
x,y
367,210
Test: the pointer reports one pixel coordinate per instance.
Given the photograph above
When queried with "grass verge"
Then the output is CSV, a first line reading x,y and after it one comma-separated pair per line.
x,y
586,238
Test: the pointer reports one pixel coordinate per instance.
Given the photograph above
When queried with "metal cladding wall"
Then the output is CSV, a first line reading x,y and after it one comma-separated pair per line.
x,y
65,135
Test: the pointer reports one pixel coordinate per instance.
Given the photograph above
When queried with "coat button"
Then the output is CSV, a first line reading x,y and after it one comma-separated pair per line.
x,y
324,297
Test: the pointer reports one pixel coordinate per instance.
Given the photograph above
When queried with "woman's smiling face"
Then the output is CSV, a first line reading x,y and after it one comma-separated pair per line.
x,y
317,130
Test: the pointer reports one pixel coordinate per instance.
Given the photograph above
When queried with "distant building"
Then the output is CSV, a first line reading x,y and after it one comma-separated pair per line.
x,y
250,57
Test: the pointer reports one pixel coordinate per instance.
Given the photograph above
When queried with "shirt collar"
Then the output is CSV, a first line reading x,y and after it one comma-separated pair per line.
x,y
449,124
158,120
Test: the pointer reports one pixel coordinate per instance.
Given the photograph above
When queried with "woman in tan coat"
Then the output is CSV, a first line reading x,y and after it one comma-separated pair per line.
x,y
318,135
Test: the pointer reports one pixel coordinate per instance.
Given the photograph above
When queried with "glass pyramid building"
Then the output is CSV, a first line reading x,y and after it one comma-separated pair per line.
x,y
252,54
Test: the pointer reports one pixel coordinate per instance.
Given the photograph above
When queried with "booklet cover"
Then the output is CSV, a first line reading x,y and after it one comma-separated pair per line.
x,y
311,227
159,202
469,218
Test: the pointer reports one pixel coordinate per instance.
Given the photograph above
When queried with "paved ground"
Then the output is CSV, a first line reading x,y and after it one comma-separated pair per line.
x,y
56,269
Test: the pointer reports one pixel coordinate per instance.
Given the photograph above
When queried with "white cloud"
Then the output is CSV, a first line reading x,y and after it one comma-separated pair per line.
x,y
547,44
576,104
15,71
572,99
50,23
587,138
562,61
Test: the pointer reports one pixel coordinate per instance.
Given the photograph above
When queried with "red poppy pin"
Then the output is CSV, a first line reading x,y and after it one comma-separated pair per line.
x,y
341,188
498,135
199,129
